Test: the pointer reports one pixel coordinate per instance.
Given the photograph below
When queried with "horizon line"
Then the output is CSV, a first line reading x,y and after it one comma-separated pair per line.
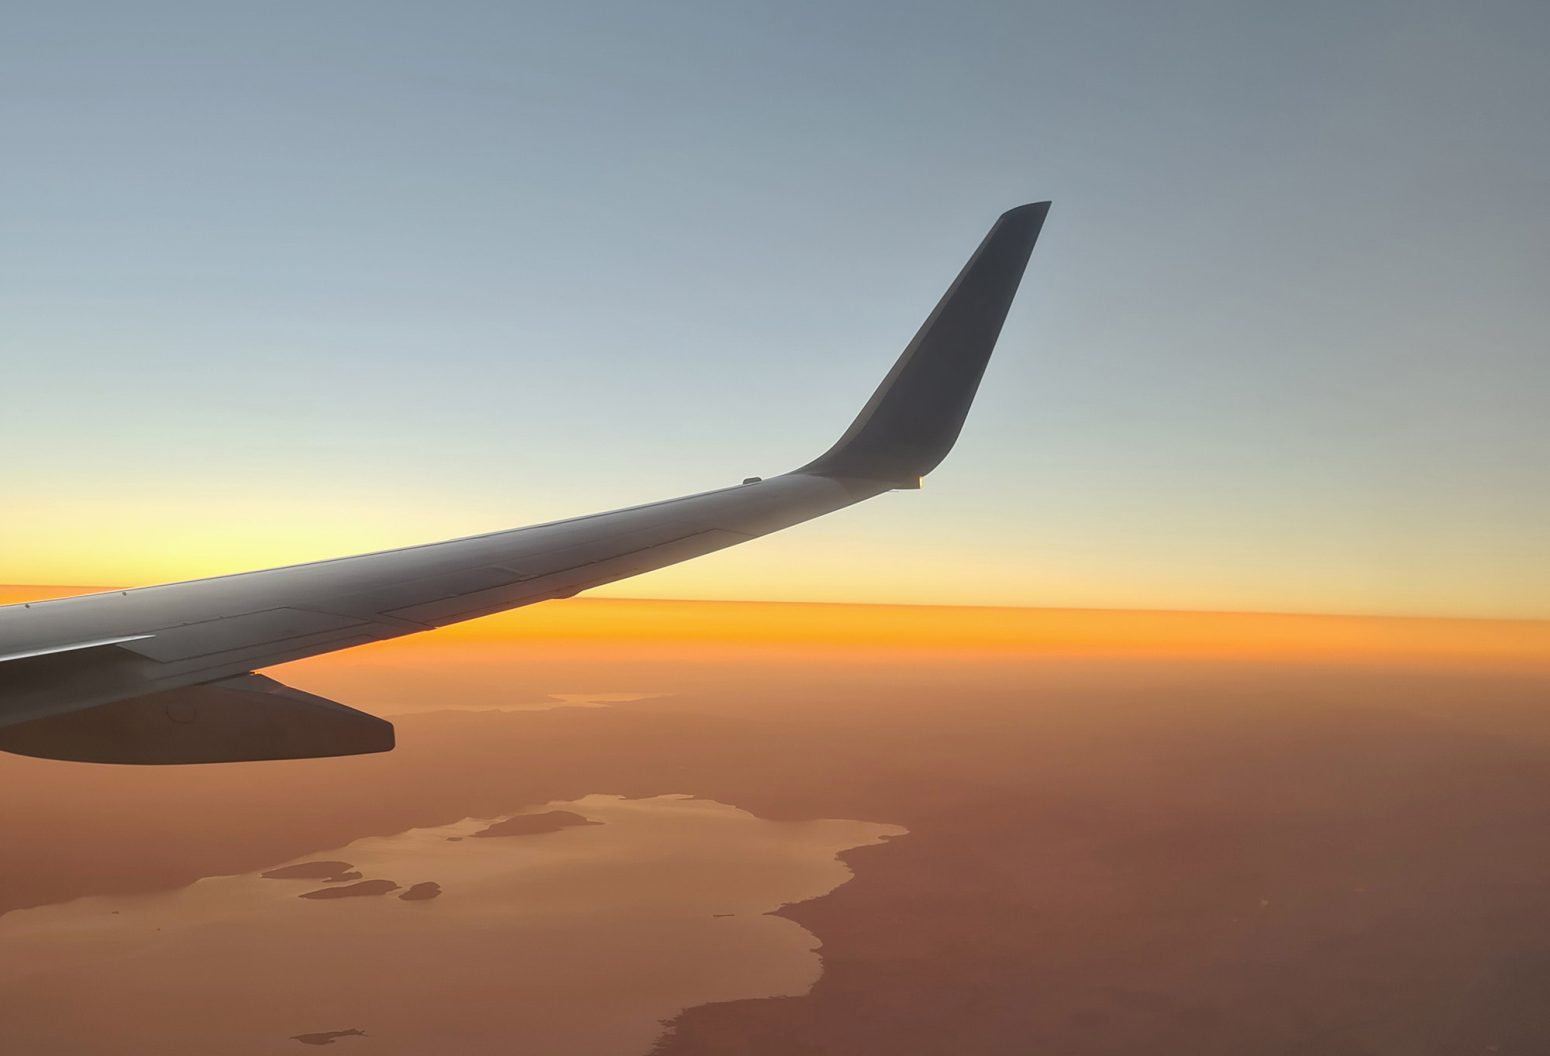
x,y
84,589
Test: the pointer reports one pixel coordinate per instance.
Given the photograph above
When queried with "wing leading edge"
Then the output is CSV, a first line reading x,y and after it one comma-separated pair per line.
x,y
164,674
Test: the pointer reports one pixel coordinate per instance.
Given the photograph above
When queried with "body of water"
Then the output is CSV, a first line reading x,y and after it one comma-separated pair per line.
x,y
578,941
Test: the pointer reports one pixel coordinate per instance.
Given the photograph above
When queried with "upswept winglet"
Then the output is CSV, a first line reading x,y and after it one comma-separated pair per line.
x,y
912,420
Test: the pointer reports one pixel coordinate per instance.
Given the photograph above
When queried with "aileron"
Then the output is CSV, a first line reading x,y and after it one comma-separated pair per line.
x,y
71,647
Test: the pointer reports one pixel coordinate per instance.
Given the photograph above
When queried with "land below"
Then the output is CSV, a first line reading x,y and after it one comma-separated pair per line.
x,y
1106,854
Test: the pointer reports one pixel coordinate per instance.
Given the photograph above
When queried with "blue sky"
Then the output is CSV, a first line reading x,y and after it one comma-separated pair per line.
x,y
290,280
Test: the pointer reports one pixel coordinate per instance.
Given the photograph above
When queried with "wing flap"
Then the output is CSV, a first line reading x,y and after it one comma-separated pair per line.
x,y
209,637
240,719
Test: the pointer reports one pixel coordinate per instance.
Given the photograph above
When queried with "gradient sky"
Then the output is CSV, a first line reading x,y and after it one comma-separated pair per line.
x,y
290,280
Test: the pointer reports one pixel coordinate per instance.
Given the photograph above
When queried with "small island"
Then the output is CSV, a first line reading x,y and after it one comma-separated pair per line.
x,y
421,892
534,824
327,1037
364,888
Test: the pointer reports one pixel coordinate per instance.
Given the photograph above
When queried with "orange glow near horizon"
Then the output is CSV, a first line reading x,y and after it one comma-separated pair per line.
x,y
667,628
854,559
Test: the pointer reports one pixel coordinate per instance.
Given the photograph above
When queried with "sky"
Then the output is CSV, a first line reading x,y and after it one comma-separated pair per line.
x,y
294,280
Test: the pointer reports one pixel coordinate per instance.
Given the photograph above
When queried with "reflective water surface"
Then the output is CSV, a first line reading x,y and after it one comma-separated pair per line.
x,y
575,941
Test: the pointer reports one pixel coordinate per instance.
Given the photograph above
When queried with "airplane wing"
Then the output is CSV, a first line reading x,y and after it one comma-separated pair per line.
x,y
165,674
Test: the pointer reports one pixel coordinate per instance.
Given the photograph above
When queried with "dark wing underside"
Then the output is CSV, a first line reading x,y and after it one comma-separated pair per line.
x,y
163,674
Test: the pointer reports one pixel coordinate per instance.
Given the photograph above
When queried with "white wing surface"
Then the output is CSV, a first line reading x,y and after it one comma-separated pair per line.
x,y
166,674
